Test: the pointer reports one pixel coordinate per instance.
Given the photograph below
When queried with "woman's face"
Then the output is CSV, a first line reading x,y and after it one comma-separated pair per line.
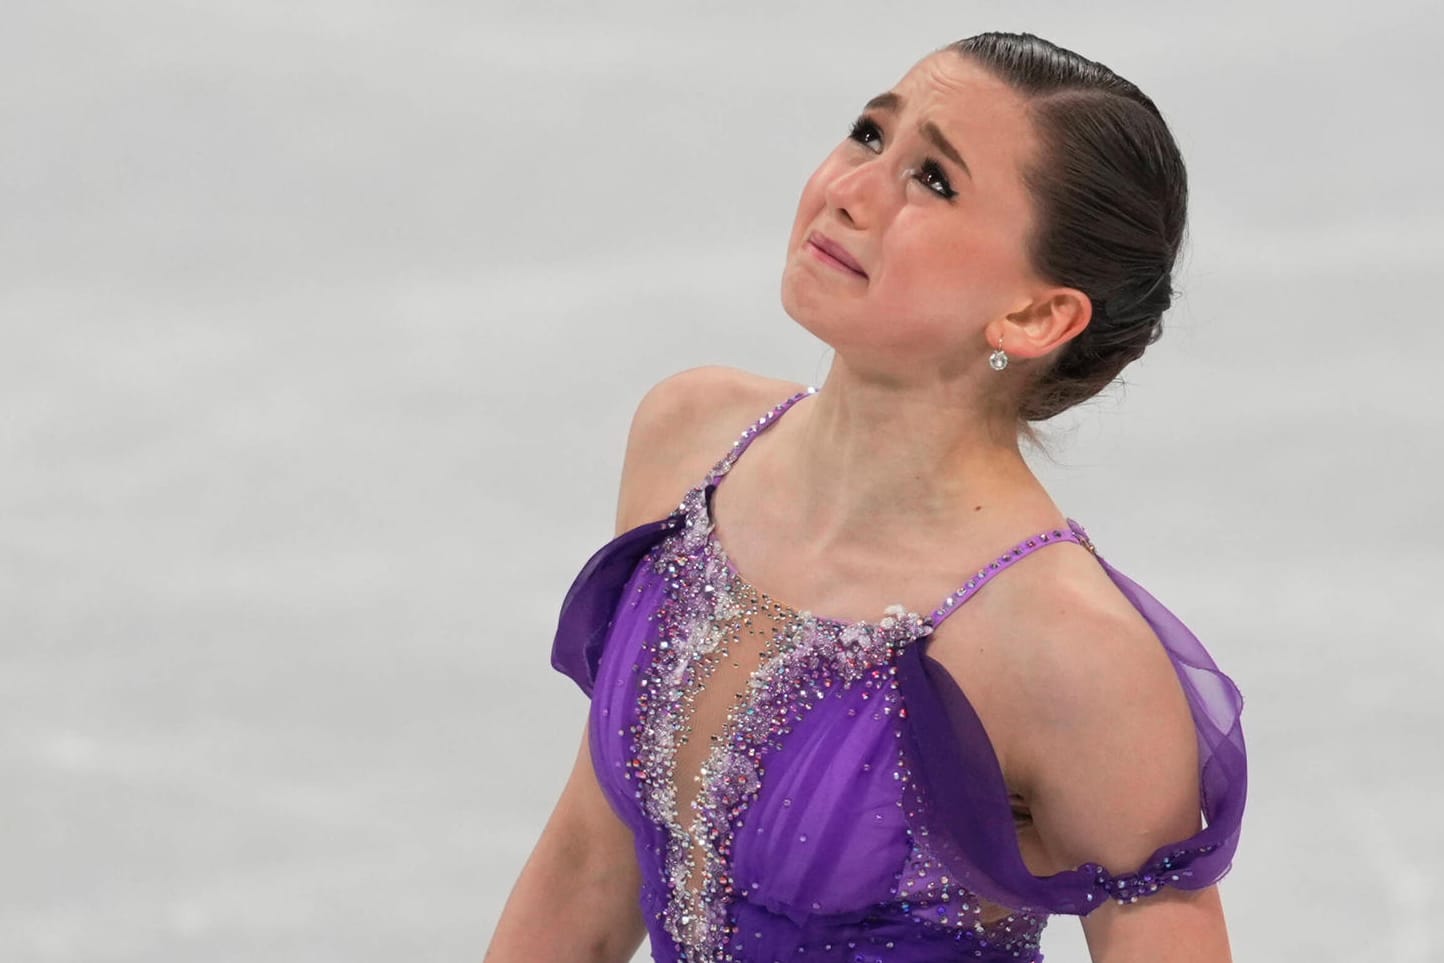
x,y
941,244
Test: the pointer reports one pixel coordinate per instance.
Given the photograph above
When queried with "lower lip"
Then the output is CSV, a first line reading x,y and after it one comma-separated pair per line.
x,y
828,258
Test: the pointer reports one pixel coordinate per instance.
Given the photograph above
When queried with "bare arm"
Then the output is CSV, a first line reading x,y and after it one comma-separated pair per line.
x,y
576,899
1174,926
1095,732
1119,780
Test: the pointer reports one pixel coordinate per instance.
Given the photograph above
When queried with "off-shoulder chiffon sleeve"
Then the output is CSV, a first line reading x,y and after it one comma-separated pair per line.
x,y
590,604
956,798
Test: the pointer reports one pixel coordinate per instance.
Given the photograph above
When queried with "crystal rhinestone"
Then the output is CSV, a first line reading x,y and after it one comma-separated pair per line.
x,y
710,620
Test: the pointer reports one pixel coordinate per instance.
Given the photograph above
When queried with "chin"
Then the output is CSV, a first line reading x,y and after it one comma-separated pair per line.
x,y
817,315
850,330
842,330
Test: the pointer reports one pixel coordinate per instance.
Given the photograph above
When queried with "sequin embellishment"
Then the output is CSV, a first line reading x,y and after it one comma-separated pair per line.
x,y
707,614
707,609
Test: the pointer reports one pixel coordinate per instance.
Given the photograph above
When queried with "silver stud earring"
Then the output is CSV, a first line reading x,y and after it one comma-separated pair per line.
x,y
998,360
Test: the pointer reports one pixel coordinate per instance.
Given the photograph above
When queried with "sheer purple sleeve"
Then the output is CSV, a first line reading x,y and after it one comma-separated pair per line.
x,y
956,798
591,602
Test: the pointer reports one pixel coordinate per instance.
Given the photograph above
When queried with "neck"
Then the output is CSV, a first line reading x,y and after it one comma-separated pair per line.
x,y
877,458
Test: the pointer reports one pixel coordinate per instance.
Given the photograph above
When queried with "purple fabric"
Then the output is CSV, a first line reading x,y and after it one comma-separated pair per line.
x,y
960,773
881,815
587,610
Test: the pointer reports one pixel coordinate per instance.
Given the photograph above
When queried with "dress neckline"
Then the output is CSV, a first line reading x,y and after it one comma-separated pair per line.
x,y
950,603
715,545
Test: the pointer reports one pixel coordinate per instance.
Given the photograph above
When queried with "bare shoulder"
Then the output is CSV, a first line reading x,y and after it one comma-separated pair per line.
x,y
682,426
1062,632
1107,756
1090,648
1083,706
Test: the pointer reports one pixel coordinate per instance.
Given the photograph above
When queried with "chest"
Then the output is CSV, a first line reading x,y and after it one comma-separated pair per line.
x,y
761,743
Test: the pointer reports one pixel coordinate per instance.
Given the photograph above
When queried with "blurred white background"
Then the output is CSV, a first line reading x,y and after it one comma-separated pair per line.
x,y
321,325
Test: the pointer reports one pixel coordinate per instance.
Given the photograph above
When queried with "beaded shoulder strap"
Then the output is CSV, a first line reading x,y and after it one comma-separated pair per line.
x,y
1073,533
724,465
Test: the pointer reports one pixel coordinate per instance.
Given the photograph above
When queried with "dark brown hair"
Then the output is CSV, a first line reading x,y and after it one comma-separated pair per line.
x,y
1110,196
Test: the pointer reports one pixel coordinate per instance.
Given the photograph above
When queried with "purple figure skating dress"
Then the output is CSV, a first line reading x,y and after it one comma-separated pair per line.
x,y
803,788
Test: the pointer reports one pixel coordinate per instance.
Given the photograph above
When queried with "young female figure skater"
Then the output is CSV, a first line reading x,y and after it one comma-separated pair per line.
x,y
867,693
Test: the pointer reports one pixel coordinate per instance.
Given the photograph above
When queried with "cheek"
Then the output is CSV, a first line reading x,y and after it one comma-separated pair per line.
x,y
809,204
958,275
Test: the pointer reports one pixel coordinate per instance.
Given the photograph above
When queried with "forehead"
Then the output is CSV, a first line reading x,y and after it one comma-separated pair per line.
x,y
982,115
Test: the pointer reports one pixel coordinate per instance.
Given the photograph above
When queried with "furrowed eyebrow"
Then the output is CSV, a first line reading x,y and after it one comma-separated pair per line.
x,y
887,101
950,152
893,102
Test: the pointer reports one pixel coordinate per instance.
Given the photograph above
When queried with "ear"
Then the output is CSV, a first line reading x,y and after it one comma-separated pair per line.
x,y
1049,321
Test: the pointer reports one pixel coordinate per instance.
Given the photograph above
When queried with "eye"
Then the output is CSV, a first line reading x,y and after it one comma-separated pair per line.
x,y
863,130
930,174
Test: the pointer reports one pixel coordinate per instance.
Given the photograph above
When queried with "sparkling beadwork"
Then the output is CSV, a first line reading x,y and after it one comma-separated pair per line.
x,y
708,609
805,659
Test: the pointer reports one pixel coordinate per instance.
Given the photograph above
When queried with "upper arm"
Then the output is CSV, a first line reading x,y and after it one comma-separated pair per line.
x,y
1171,926
681,428
583,869
1113,776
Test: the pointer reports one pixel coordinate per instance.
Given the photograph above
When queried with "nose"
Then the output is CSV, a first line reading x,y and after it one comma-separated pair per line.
x,y
858,193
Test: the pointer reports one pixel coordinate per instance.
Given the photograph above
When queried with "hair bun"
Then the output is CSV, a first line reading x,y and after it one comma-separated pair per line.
x,y
1110,195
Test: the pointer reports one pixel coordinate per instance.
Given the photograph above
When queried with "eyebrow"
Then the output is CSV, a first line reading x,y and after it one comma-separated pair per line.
x,y
893,102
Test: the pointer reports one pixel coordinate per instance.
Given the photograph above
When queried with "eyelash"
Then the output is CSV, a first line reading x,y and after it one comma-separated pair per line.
x,y
863,127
